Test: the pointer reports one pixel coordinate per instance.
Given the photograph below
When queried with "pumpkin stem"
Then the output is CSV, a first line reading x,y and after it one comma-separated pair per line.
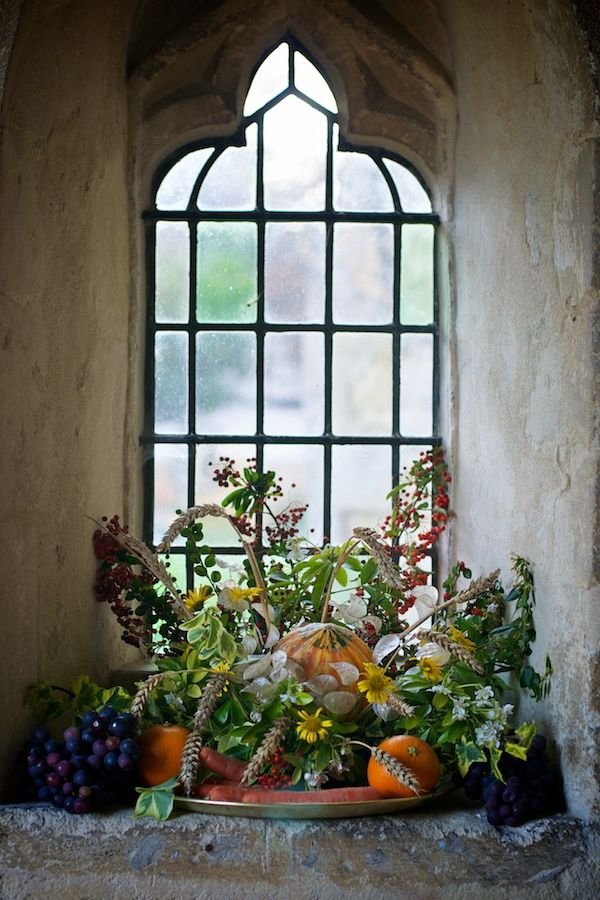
x,y
345,552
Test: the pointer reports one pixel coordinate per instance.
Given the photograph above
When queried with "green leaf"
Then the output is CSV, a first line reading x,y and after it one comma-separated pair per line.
x,y
156,801
516,750
369,571
495,754
526,733
194,691
440,700
468,753
341,576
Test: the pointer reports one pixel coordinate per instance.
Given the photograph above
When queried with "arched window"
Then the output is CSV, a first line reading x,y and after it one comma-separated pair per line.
x,y
292,313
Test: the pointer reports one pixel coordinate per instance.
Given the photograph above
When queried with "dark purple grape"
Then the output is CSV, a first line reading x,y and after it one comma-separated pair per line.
x,y
32,758
509,795
72,733
112,743
111,760
53,759
69,804
128,745
85,791
125,762
45,793
119,727
53,746
96,726
54,780
520,808
94,762
504,810
514,782
79,761
38,769
88,717
494,817
58,800
539,742
81,805
88,736
108,712
74,746
68,788
65,768
81,777
492,802
99,747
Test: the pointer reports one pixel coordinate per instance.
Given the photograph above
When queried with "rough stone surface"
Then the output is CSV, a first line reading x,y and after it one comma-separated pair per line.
x,y
424,855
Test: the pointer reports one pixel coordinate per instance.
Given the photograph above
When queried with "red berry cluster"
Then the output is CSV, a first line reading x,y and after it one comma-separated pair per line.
x,y
114,579
277,775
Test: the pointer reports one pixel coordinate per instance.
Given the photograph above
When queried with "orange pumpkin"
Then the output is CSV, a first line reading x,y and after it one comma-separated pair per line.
x,y
316,645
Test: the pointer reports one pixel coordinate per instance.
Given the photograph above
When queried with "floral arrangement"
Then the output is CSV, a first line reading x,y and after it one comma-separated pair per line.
x,y
300,663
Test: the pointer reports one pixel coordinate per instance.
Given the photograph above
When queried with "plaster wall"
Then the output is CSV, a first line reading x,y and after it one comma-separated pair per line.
x,y
524,428
64,287
514,186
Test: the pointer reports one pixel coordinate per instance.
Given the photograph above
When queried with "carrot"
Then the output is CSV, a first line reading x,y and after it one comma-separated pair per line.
x,y
229,793
333,795
226,766
203,790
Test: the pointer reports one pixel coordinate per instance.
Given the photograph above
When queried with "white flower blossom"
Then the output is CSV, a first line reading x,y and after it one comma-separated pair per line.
x,y
440,689
487,734
434,652
458,711
296,549
315,779
507,710
483,694
255,716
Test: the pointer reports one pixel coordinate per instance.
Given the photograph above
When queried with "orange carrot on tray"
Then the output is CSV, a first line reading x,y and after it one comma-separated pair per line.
x,y
226,766
231,793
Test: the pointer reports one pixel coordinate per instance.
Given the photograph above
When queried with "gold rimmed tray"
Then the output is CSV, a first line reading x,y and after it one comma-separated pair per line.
x,y
303,810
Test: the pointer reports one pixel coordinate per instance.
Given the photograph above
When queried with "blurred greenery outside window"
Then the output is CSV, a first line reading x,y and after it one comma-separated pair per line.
x,y
292,312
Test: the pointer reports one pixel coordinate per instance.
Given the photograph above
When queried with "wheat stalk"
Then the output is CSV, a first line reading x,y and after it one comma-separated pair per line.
x,y
141,697
456,649
190,756
148,559
389,572
187,518
271,742
395,768
477,587
400,706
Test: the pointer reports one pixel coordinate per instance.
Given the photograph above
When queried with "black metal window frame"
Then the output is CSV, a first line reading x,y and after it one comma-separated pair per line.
x,y
260,216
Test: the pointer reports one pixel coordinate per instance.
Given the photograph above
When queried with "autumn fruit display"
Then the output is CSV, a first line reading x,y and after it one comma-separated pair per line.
x,y
306,677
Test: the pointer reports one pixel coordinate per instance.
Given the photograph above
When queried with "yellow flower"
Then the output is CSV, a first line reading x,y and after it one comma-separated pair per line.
x,y
459,638
376,684
196,598
236,598
221,667
430,668
312,728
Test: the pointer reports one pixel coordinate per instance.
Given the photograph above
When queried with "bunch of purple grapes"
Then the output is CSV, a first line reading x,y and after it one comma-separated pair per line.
x,y
529,789
94,761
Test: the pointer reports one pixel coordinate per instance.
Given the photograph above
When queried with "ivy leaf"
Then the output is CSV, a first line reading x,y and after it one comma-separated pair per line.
x,y
156,801
516,750
468,753
526,733
45,702
495,754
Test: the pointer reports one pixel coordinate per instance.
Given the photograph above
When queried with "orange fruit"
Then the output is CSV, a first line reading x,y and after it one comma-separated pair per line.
x,y
160,749
415,755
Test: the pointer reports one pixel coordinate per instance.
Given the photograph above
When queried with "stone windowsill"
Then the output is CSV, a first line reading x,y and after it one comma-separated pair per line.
x,y
443,853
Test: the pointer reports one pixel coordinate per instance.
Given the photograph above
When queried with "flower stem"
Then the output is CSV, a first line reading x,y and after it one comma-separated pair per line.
x,y
345,552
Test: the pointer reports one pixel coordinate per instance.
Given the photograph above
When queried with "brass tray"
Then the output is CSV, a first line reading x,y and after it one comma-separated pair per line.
x,y
303,810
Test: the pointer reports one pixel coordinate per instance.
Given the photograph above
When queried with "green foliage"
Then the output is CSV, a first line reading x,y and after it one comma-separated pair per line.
x,y
156,801
51,701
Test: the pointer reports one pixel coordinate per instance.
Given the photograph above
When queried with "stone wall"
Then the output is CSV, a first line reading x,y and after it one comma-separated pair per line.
x,y
493,102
